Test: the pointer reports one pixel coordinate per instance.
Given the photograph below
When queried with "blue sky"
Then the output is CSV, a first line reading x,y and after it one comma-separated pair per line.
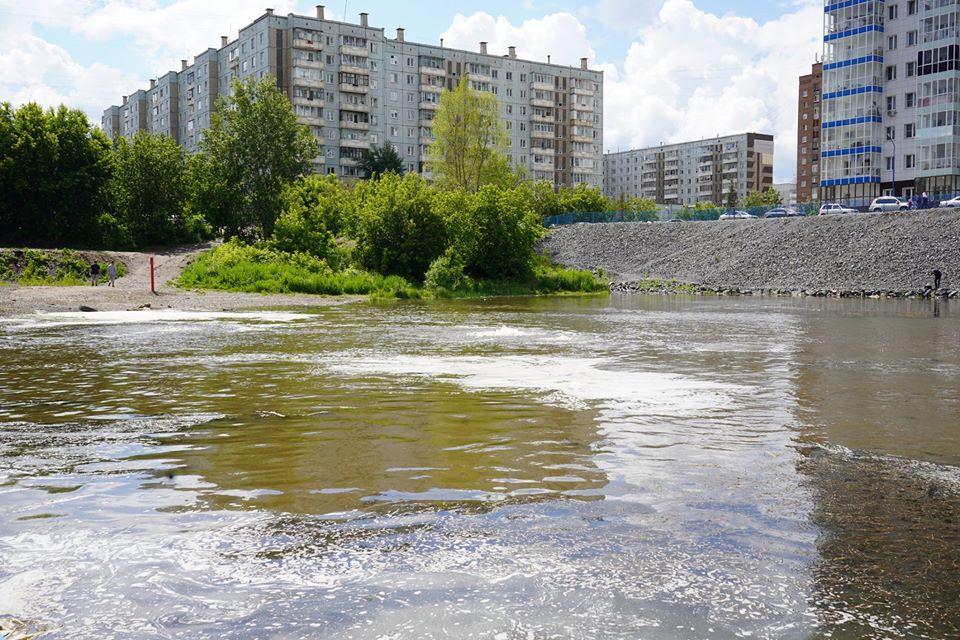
x,y
674,69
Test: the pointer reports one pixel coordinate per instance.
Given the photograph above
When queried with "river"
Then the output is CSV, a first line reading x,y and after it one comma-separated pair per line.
x,y
532,468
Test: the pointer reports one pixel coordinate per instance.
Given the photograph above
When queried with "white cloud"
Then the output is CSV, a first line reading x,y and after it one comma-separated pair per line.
x,y
560,36
695,75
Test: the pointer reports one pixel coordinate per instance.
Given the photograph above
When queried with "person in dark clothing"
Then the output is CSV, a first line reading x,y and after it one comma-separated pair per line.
x,y
95,273
936,279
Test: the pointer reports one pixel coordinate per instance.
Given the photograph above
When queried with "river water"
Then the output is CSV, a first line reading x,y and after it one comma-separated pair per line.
x,y
632,467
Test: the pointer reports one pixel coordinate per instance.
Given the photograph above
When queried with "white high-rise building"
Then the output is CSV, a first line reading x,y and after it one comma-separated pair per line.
x,y
891,99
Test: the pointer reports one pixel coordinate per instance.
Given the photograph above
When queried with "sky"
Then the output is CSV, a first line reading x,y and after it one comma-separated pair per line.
x,y
674,70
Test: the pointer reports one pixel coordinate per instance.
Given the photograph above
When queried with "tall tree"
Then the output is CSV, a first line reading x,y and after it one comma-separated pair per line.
x,y
376,161
148,190
255,147
471,140
53,168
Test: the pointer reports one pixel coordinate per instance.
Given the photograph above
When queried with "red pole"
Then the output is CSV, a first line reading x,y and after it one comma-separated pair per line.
x,y
153,289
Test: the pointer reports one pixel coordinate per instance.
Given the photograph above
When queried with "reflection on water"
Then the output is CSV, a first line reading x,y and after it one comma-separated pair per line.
x,y
532,468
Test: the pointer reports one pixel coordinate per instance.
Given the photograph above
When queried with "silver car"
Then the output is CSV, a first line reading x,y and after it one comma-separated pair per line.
x,y
832,207
888,203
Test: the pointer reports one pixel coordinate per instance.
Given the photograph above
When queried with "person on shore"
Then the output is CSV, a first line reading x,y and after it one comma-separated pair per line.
x,y
112,273
936,278
95,273
924,201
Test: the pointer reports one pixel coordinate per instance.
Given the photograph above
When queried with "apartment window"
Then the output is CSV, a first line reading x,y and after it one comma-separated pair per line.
x,y
911,69
509,92
409,150
523,77
889,161
394,114
909,130
509,109
393,77
892,12
891,42
911,7
409,62
909,161
911,38
909,100
395,132
891,104
891,133
892,72
509,75
394,60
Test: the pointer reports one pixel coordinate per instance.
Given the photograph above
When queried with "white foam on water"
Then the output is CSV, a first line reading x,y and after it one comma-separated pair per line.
x,y
147,316
568,382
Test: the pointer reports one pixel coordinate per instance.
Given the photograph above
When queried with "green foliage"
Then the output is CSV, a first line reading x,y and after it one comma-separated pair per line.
x,y
447,273
255,147
316,210
582,198
234,266
731,196
769,197
148,193
471,140
53,169
376,161
398,230
36,267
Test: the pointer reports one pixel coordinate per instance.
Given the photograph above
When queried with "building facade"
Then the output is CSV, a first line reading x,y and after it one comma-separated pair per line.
x,y
891,99
691,172
355,88
808,135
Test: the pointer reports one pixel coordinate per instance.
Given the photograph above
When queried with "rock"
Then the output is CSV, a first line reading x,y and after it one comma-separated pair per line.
x,y
87,309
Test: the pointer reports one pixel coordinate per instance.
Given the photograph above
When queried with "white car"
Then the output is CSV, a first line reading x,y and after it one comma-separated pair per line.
x,y
736,215
952,202
888,203
832,207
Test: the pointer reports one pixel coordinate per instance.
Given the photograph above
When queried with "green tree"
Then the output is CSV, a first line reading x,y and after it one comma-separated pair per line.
x,y
769,197
398,230
471,140
149,193
255,147
53,169
316,211
376,161
582,198
732,196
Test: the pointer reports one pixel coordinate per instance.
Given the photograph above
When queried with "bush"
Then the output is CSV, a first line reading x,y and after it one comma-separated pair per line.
x,y
446,272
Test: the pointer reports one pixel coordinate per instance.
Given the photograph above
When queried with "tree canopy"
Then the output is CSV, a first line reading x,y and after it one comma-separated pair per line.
x,y
255,147
471,140
376,161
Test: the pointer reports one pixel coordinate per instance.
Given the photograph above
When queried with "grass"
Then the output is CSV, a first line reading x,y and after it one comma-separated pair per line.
x,y
255,269
673,285
54,267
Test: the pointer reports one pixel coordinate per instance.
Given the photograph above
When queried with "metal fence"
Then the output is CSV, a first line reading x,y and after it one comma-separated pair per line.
x,y
666,214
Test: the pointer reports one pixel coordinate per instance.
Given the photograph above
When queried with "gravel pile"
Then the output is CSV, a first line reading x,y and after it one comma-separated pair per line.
x,y
882,252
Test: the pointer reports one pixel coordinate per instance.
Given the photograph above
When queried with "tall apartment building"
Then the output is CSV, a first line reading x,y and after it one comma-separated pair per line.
x,y
891,99
354,88
808,135
691,172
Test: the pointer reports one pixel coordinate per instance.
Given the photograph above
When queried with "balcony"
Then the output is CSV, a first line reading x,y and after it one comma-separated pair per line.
x,y
310,83
548,135
303,63
348,50
581,122
541,118
353,106
577,91
354,88
431,88
310,120
539,102
432,106
545,165
542,86
307,44
581,137
427,141
307,102
355,143
433,71
359,126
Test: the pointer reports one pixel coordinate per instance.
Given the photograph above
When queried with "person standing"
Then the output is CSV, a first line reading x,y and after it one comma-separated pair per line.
x,y
112,273
936,278
95,273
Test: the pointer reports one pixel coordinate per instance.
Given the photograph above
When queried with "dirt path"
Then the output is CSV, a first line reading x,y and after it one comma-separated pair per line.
x,y
133,290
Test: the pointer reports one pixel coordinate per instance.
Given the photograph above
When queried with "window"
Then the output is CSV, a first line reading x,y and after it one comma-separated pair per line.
x,y
891,104
891,42
909,161
911,69
909,130
509,75
889,162
892,72
911,38
911,7
892,12
909,100
891,133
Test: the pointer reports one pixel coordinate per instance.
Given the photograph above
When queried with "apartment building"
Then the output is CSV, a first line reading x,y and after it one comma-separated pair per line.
x,y
691,172
891,98
808,135
354,88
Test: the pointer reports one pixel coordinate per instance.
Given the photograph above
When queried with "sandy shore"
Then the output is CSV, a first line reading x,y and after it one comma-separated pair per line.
x,y
133,290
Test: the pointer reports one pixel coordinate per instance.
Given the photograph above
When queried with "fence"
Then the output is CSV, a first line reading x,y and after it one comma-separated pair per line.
x,y
665,214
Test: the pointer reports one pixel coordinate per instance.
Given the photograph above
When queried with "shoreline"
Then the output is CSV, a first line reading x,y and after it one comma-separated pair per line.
x,y
676,288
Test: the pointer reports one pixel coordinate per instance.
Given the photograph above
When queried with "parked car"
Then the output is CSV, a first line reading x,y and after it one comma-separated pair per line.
x,y
888,203
782,212
832,207
952,202
736,215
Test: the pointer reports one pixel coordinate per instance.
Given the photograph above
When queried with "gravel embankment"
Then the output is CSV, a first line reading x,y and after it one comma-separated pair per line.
x,y
861,254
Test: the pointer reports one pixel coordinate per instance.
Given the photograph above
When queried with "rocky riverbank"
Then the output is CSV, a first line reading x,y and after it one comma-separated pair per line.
x,y
859,255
